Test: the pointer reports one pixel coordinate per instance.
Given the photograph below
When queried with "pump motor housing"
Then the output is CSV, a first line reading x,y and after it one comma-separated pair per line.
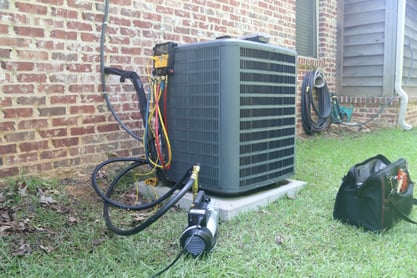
x,y
200,235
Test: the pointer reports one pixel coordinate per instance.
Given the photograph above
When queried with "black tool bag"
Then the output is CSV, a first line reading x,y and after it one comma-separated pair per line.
x,y
375,194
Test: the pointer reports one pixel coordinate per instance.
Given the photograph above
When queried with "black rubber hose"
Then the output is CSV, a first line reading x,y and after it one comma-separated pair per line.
x,y
151,219
323,107
142,102
132,76
137,84
109,202
136,162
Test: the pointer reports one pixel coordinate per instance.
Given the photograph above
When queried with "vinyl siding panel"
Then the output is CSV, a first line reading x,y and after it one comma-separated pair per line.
x,y
366,40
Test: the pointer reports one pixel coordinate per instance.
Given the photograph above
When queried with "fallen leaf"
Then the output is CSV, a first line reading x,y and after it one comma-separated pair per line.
x,y
4,228
97,242
44,200
6,214
72,221
47,249
62,209
279,240
138,217
101,174
25,226
22,188
10,227
263,211
23,249
53,191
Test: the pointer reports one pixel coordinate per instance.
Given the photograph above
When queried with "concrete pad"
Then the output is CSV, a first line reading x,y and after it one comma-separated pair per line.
x,y
229,207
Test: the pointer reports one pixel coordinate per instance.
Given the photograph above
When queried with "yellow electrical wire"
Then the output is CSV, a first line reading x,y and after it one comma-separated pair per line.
x,y
166,138
153,93
151,107
168,142
149,76
153,113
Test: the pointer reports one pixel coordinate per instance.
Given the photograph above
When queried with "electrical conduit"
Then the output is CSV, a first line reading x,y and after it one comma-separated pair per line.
x,y
399,66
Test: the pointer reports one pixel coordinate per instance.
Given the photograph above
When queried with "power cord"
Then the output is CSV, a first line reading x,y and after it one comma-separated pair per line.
x,y
182,252
170,265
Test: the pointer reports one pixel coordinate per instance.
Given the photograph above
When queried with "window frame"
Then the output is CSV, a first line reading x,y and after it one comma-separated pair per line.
x,y
300,46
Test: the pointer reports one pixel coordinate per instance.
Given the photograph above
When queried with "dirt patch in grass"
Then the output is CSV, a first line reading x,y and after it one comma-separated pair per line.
x,y
36,215
81,190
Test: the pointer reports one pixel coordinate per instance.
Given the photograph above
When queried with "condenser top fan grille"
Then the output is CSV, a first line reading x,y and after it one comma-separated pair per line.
x,y
231,108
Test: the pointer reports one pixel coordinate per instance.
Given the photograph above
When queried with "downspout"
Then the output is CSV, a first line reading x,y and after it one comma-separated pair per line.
x,y
399,66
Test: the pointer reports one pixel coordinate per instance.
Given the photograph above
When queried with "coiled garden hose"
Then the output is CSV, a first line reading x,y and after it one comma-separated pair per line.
x,y
314,81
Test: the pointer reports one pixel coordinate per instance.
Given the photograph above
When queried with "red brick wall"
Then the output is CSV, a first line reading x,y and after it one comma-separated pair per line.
x,y
53,117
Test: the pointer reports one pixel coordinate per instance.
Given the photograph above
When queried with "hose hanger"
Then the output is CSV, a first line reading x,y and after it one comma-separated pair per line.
x,y
319,78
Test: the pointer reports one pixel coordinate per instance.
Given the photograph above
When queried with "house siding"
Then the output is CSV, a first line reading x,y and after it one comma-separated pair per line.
x,y
367,58
367,48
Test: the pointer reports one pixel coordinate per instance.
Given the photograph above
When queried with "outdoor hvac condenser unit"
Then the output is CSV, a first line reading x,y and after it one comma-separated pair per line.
x,y
231,107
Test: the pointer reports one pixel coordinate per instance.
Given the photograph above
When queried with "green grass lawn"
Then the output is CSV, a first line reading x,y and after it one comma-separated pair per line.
x,y
65,236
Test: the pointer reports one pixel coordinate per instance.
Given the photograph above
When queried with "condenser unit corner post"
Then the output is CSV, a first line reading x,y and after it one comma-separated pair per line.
x,y
229,118
231,107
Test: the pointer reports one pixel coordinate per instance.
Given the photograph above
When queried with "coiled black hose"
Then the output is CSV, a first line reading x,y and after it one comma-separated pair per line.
x,y
109,202
314,81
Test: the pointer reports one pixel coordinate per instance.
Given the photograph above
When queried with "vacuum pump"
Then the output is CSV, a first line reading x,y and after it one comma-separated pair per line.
x,y
200,235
